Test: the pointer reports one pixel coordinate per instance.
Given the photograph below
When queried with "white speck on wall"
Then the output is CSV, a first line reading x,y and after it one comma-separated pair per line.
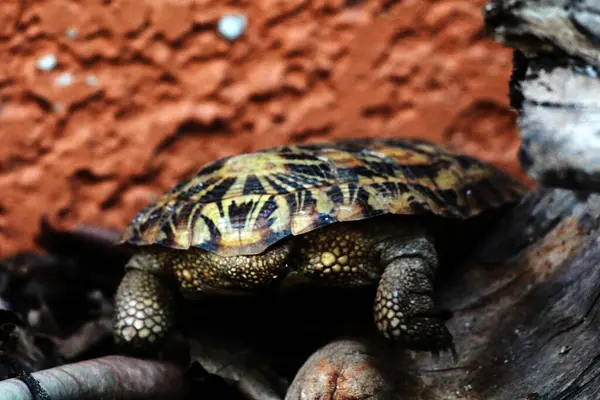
x,y
91,80
232,26
46,63
71,33
64,79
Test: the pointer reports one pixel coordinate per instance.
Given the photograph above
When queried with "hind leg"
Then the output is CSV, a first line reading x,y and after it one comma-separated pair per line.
x,y
394,253
404,308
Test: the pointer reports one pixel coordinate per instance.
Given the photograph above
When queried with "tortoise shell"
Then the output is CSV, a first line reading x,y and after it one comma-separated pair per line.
x,y
243,204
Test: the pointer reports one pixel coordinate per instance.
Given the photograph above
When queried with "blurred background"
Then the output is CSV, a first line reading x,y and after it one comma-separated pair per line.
x,y
104,104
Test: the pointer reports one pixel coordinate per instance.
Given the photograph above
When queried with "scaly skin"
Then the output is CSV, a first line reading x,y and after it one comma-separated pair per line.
x,y
390,251
143,309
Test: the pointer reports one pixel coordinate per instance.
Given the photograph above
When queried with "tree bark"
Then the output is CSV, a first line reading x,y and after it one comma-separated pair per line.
x,y
555,87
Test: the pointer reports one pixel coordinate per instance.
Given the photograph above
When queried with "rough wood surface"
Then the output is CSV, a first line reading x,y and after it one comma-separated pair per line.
x,y
558,100
555,86
535,26
526,318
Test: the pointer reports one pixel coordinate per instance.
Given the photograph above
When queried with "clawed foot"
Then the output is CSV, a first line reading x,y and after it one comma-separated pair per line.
x,y
404,308
412,322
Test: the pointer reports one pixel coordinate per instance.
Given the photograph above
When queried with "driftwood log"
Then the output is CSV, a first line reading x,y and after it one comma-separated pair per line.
x,y
526,319
555,87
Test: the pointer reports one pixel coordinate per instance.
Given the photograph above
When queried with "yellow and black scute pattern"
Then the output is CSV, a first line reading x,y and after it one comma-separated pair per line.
x,y
241,205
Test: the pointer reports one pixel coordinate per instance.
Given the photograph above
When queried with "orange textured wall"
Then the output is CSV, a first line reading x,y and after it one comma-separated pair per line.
x,y
144,92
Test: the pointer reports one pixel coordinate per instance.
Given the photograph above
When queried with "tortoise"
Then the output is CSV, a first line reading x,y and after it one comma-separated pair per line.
x,y
345,212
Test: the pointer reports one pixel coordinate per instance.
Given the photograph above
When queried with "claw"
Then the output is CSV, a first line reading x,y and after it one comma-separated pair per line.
x,y
452,350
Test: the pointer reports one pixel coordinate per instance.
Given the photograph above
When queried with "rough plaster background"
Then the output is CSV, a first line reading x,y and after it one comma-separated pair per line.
x,y
156,92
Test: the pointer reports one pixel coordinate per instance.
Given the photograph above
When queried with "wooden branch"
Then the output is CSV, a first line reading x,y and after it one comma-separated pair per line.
x,y
114,377
558,100
555,86
535,26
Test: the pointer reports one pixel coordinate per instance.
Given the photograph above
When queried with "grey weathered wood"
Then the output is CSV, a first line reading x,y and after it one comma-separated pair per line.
x,y
526,315
558,101
555,87
533,26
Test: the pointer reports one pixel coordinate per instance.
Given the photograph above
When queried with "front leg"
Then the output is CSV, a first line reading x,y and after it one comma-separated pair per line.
x,y
404,308
144,302
143,311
